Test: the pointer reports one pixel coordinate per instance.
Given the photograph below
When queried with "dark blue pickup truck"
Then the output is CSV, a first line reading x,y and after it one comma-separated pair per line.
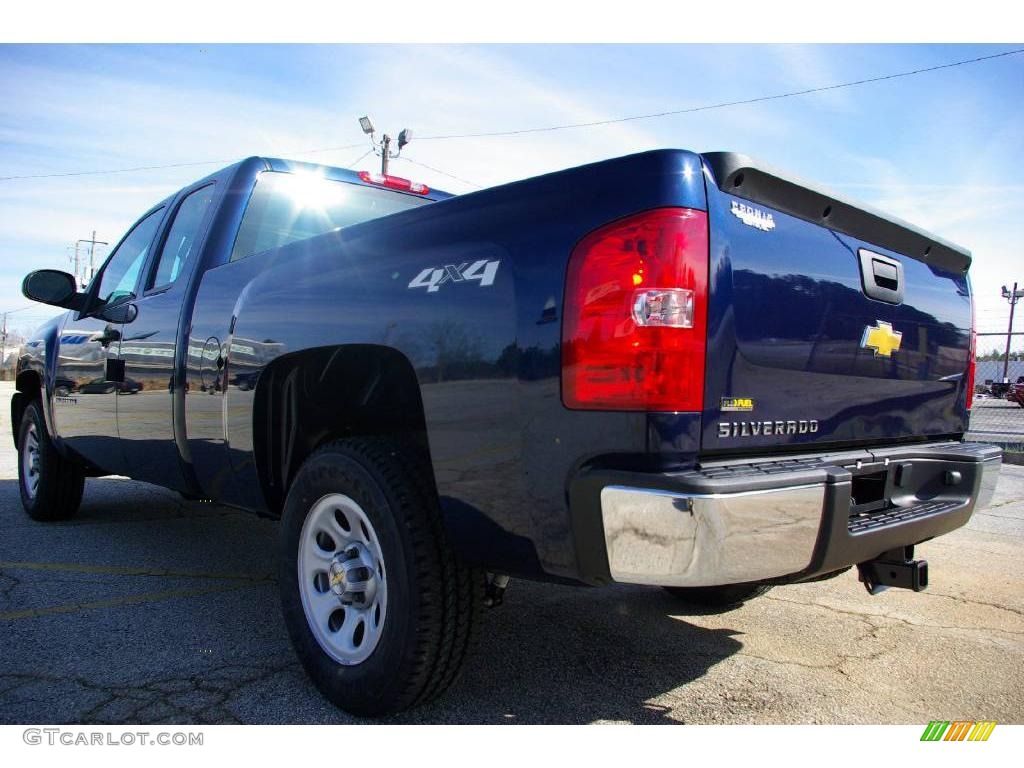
x,y
684,370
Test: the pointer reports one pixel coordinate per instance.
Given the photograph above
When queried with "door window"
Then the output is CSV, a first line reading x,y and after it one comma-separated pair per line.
x,y
183,241
121,272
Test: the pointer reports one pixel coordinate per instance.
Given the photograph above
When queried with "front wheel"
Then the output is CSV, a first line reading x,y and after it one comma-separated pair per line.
x,y
51,485
724,597
378,607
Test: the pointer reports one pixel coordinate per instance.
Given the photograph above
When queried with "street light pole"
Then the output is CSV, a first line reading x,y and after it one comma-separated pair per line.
x,y
404,137
1013,297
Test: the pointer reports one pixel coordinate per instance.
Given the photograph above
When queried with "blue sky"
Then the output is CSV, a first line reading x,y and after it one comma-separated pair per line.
x,y
941,149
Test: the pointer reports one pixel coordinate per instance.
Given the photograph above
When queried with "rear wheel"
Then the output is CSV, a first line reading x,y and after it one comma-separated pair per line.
x,y
51,486
726,596
379,609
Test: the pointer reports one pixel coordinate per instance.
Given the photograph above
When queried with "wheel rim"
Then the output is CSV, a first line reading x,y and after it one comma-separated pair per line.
x,y
342,579
30,461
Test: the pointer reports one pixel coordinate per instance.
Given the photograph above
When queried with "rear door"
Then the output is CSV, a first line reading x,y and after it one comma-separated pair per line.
x,y
819,335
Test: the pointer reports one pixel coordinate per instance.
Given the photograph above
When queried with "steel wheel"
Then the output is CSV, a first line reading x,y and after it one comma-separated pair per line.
x,y
342,579
30,461
49,484
378,607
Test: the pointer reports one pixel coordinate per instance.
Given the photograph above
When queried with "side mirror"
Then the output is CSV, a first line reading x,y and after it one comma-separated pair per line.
x,y
51,286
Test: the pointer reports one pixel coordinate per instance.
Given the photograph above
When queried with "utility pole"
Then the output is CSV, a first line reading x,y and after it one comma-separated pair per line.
x,y
3,348
1013,297
385,145
92,253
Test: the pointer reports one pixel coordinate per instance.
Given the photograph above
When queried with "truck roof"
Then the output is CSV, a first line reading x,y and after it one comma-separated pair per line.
x,y
328,172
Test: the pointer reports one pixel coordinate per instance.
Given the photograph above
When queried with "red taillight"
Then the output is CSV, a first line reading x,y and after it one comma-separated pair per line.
x,y
635,319
394,182
971,359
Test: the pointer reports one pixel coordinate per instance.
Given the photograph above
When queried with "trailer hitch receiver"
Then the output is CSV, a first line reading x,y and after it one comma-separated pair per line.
x,y
895,568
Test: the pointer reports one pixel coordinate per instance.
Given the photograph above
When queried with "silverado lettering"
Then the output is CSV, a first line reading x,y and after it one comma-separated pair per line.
x,y
755,428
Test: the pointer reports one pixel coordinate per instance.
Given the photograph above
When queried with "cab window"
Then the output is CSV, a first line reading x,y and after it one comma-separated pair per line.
x,y
121,273
183,240
286,207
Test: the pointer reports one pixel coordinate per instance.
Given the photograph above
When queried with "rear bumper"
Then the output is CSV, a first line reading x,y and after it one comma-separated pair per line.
x,y
775,521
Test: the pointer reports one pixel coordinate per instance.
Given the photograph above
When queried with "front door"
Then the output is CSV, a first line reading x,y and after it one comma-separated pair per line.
x,y
149,348
86,384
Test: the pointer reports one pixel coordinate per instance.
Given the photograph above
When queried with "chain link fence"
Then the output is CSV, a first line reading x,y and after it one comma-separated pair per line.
x,y
998,413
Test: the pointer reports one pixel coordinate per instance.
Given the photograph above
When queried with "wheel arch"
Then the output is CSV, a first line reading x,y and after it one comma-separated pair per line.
x,y
308,398
28,386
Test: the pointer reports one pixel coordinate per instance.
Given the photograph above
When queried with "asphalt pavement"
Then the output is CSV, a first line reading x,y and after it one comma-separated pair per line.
x,y
149,608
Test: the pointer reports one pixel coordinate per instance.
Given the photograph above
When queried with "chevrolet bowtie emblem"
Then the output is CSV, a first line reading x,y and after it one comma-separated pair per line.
x,y
882,339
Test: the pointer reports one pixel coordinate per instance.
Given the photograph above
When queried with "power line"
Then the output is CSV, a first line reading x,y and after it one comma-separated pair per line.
x,y
721,105
36,307
443,173
590,124
360,158
172,165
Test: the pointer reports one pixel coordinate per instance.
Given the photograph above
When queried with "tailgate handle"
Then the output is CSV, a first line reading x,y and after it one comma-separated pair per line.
x,y
885,275
881,276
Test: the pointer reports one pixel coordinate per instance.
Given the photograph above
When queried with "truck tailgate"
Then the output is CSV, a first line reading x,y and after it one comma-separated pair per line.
x,y
828,323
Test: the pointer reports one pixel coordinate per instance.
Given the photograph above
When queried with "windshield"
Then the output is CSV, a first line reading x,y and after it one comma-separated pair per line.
x,y
286,207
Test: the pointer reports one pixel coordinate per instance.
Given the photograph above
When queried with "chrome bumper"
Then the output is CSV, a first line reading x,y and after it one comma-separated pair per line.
x,y
654,537
687,539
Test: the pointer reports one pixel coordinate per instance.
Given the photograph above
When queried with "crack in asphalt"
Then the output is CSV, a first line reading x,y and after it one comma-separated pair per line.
x,y
998,517
1003,503
969,601
889,617
201,697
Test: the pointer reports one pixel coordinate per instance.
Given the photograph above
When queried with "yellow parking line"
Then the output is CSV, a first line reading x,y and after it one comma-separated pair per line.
x,y
119,570
148,597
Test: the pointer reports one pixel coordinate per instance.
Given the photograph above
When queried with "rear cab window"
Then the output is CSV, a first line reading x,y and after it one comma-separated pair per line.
x,y
183,241
286,207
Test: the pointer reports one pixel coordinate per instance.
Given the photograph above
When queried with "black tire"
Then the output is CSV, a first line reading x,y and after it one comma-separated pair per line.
x,y
433,600
59,481
726,596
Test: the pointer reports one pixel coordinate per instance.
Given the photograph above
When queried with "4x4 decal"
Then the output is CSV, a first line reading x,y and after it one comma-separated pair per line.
x,y
432,278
